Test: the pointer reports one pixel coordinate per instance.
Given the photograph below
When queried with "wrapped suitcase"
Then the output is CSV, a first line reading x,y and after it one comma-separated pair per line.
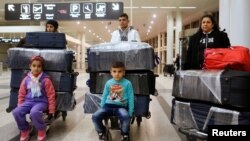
x,y
62,81
65,101
195,115
143,82
226,87
55,60
91,102
135,56
52,40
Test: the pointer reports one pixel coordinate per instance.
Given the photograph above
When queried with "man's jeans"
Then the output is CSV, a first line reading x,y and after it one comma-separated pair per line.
x,y
106,112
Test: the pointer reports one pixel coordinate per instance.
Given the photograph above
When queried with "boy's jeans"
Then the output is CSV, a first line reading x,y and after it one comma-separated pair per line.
x,y
106,112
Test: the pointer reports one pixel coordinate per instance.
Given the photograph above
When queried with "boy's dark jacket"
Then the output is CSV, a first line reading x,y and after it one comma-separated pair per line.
x,y
193,59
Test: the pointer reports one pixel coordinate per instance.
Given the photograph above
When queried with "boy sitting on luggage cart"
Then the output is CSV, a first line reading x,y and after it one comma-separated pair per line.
x,y
117,100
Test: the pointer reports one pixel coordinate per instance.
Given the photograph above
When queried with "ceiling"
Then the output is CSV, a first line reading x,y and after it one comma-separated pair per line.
x,y
140,16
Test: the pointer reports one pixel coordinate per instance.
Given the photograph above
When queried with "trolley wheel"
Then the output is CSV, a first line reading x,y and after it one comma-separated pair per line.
x,y
156,93
149,115
138,120
8,110
64,115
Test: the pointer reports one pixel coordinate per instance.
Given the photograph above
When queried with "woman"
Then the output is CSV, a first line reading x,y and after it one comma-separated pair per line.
x,y
208,36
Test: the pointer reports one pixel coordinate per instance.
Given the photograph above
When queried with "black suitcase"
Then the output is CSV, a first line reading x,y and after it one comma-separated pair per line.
x,y
135,56
226,87
142,106
13,99
45,40
62,81
91,102
143,82
65,101
55,60
197,115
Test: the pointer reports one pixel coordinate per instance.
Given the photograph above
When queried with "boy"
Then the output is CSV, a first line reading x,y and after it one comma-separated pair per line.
x,y
117,97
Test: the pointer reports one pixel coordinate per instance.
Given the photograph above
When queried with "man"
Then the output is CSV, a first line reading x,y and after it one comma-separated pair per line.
x,y
125,32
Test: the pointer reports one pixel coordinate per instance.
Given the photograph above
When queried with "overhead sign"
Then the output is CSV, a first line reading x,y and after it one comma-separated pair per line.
x,y
64,11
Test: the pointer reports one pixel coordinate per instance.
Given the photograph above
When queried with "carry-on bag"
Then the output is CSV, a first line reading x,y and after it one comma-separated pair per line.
x,y
52,40
65,101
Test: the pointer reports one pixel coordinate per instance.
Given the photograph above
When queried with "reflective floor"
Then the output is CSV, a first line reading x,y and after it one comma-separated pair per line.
x,y
78,126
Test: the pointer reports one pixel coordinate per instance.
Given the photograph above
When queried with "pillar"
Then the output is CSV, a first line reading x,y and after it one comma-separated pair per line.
x,y
170,34
178,29
159,52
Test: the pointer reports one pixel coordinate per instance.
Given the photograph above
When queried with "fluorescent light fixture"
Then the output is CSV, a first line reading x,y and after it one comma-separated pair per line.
x,y
187,7
167,7
149,7
128,7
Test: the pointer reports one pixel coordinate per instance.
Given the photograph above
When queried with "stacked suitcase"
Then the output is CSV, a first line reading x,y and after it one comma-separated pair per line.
x,y
139,62
211,97
58,65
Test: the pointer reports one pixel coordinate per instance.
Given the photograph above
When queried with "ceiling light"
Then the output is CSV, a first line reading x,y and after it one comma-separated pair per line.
x,y
90,31
109,31
187,7
78,22
102,22
127,7
150,27
148,30
106,27
154,16
94,34
167,7
149,7
84,27
152,22
97,36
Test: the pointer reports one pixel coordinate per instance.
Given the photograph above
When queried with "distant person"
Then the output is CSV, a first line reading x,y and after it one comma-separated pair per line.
x,y
51,26
125,32
177,61
208,36
117,100
36,95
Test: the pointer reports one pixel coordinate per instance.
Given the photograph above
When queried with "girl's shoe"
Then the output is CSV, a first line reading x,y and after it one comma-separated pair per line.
x,y
41,135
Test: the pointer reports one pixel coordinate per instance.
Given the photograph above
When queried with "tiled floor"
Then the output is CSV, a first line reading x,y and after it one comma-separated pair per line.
x,y
78,126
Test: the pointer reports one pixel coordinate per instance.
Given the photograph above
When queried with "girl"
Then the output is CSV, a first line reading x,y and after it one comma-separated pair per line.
x,y
36,95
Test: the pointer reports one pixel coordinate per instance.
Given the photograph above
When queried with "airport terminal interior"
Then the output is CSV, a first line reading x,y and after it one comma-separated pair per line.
x,y
164,25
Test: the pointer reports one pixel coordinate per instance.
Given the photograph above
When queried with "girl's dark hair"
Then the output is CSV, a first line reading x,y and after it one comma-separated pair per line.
x,y
215,27
118,65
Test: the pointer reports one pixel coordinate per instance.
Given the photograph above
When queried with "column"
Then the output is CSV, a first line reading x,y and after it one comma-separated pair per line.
x,y
159,52
170,34
163,59
78,56
234,17
178,29
83,55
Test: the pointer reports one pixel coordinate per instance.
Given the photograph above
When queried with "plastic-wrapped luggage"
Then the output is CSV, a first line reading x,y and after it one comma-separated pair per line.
x,y
226,87
135,56
45,40
142,82
65,101
194,115
91,102
56,60
62,81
